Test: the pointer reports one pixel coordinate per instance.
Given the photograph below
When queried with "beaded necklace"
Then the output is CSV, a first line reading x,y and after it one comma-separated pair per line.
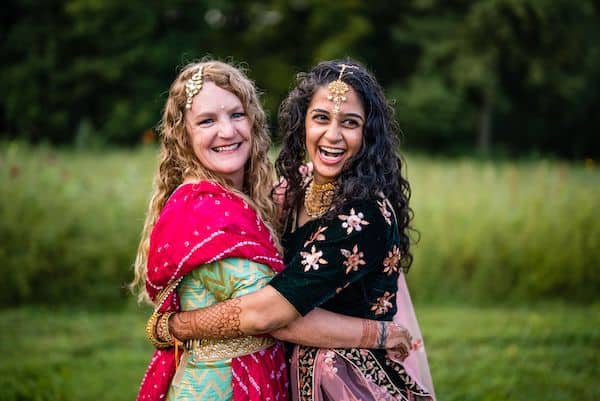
x,y
318,198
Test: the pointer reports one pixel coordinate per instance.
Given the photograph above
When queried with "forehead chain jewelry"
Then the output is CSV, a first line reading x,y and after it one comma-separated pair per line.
x,y
337,89
192,87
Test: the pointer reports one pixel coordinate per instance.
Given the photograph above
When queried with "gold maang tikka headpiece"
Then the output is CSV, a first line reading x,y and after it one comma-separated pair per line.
x,y
192,87
337,90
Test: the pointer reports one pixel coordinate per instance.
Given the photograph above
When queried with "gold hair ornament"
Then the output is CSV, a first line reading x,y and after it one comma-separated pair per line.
x,y
193,86
337,90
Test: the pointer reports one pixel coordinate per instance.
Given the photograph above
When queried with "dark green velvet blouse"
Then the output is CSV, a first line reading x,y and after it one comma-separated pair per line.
x,y
346,264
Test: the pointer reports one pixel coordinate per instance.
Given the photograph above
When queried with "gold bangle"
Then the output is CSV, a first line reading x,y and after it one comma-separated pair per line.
x,y
162,328
151,332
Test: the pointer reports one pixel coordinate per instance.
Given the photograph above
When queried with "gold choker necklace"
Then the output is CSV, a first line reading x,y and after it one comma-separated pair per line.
x,y
318,198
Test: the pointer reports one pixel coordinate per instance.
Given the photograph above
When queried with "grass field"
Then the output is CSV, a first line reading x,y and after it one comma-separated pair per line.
x,y
549,352
490,231
510,233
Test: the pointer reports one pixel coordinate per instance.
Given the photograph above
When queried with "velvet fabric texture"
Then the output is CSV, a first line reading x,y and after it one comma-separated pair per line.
x,y
349,264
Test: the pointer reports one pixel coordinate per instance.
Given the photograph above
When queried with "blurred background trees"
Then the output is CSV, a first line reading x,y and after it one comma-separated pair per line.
x,y
515,77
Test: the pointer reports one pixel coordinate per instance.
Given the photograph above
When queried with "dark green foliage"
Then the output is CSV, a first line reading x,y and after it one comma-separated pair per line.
x,y
507,75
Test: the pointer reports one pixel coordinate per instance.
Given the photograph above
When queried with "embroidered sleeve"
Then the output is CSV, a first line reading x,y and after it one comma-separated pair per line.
x,y
338,253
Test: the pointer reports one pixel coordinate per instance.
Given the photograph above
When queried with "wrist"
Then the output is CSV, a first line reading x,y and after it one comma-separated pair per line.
x,y
163,331
383,335
157,331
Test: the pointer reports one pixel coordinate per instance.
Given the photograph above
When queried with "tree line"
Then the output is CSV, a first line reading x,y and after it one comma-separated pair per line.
x,y
515,77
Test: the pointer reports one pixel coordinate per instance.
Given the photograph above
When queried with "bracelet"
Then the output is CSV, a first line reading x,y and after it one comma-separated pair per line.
x,y
382,335
162,328
151,332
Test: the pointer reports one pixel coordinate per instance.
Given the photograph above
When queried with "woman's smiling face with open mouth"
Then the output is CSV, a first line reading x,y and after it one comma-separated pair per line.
x,y
333,138
220,132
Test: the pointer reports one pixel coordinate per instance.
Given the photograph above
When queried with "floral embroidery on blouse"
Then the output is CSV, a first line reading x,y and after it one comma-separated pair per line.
x,y
392,262
313,259
354,259
385,212
383,304
354,221
316,236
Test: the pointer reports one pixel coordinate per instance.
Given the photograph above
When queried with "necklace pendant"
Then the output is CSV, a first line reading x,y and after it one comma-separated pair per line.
x,y
318,198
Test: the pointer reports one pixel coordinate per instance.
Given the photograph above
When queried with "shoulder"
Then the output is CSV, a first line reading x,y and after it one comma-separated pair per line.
x,y
364,220
200,210
205,198
360,214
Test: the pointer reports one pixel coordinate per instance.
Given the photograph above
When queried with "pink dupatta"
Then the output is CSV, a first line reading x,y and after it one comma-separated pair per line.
x,y
199,224
416,364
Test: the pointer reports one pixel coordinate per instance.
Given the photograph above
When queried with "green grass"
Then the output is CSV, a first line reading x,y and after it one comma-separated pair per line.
x,y
490,231
549,352
505,231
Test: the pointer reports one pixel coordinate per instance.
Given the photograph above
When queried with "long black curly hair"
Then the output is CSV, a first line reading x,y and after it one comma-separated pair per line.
x,y
376,169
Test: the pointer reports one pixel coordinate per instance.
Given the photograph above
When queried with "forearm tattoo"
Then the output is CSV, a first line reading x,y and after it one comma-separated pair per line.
x,y
218,321
369,334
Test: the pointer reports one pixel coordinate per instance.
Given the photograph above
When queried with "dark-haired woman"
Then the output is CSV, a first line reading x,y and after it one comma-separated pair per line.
x,y
346,243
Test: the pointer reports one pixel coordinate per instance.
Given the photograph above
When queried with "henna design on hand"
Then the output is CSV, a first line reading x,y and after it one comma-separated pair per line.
x,y
399,350
221,320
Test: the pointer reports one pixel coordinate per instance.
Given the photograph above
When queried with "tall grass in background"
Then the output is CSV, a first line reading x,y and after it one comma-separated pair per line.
x,y
70,222
505,231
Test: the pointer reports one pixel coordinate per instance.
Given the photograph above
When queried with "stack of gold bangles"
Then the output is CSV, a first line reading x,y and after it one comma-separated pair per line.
x,y
157,330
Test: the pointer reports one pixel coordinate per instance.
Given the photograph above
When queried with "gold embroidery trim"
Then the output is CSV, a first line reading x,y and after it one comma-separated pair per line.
x,y
213,349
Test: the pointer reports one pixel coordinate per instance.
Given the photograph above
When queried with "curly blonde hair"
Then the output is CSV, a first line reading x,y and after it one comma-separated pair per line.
x,y
177,160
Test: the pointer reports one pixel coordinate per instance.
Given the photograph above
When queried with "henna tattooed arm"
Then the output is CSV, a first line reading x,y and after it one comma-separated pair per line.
x,y
257,313
266,310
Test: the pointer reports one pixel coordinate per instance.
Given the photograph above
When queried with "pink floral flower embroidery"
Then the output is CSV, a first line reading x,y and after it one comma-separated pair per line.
x,y
316,236
383,304
385,212
313,259
328,364
354,221
391,263
353,260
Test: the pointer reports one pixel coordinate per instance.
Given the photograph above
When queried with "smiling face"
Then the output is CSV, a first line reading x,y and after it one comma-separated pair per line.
x,y
220,132
333,138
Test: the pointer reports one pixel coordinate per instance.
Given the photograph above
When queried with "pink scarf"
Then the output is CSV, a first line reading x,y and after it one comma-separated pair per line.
x,y
416,363
199,224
